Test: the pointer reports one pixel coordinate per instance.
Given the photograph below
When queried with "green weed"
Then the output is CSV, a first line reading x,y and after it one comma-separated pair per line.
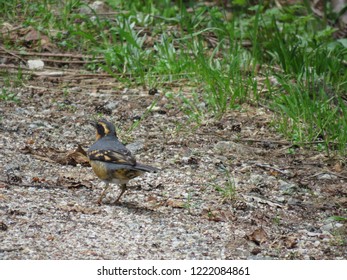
x,y
220,55
8,95
228,189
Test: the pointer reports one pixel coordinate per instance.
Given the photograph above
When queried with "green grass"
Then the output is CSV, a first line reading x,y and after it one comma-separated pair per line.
x,y
228,189
10,83
7,95
221,55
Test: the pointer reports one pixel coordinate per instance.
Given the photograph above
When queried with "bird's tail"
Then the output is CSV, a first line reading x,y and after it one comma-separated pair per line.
x,y
146,168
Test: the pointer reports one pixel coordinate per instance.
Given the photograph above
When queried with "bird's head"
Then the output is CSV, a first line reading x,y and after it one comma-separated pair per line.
x,y
103,128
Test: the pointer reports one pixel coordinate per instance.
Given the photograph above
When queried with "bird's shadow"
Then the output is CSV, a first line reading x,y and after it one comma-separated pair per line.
x,y
133,207
149,187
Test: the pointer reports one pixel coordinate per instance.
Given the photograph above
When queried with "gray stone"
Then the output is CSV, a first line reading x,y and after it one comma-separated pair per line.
x,y
136,146
286,187
111,105
36,64
326,176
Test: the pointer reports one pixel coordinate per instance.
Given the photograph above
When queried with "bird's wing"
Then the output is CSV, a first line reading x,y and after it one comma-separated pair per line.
x,y
111,156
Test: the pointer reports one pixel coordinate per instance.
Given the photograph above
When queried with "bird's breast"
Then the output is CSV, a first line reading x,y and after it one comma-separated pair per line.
x,y
115,173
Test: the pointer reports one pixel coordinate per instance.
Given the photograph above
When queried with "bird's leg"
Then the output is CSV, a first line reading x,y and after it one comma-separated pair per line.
x,y
123,189
103,193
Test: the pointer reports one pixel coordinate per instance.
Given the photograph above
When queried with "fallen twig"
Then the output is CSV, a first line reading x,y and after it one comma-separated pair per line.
x,y
266,166
329,173
12,54
45,54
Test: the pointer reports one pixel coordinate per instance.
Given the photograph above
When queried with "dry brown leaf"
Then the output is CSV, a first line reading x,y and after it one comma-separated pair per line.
x,y
274,173
8,31
31,35
338,167
73,183
34,37
343,202
290,242
255,251
44,153
174,203
50,238
212,215
217,215
258,236
6,27
38,180
152,199
78,156
78,209
227,216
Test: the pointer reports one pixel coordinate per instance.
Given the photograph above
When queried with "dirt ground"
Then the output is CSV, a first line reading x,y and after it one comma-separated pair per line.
x,y
281,208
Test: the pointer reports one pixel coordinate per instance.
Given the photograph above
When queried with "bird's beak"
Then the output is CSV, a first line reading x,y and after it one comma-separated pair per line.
x,y
93,123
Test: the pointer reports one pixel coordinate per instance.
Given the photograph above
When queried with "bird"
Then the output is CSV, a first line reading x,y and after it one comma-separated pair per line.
x,y
111,161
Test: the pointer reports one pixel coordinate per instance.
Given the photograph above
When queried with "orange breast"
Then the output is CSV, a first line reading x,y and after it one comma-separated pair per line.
x,y
100,170
105,171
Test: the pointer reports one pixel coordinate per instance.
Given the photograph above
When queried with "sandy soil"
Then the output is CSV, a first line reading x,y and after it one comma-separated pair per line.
x,y
228,189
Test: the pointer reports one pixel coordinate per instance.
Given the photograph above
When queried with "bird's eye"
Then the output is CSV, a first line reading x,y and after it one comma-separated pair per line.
x,y
101,129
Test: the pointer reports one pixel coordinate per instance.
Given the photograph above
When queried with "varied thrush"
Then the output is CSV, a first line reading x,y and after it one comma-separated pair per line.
x,y
111,161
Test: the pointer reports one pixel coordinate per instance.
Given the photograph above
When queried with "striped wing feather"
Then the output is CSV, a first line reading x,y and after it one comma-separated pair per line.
x,y
112,157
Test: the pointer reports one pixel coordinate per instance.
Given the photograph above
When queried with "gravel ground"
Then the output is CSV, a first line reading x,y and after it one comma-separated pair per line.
x,y
281,208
